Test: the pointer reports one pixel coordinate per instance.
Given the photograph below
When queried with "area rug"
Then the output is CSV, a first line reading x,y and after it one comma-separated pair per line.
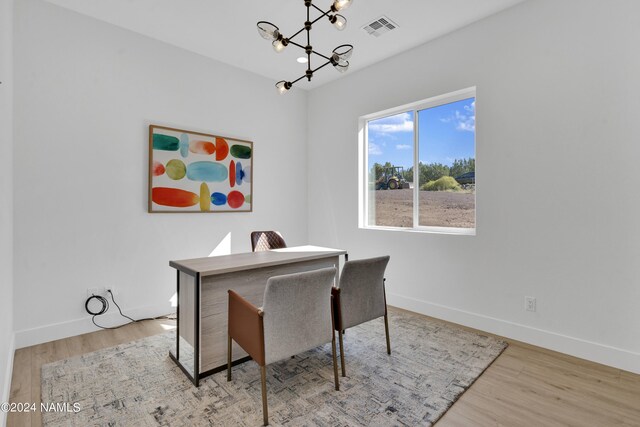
x,y
136,384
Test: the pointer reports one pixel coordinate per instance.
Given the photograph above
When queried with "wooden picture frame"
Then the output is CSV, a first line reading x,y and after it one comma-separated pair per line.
x,y
195,172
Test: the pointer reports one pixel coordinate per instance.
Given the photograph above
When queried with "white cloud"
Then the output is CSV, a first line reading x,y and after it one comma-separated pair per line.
x,y
393,124
403,147
465,121
374,149
471,108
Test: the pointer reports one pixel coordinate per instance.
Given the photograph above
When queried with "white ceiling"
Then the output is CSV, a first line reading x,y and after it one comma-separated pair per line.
x,y
226,30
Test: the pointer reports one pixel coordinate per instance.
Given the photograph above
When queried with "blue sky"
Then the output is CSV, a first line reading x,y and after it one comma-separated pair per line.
x,y
447,132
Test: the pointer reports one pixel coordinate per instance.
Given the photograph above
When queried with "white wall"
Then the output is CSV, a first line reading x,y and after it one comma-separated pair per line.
x,y
6,200
558,144
85,94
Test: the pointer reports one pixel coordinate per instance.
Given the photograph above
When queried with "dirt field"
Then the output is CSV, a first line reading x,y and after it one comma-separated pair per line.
x,y
394,208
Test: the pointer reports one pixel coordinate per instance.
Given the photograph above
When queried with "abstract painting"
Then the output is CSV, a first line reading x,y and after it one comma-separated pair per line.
x,y
197,172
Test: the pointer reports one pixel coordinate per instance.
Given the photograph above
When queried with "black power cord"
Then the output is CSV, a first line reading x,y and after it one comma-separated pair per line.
x,y
105,308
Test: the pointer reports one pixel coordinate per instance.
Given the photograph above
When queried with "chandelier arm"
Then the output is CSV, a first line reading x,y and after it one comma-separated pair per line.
x,y
319,54
296,44
299,31
320,17
320,10
323,65
298,79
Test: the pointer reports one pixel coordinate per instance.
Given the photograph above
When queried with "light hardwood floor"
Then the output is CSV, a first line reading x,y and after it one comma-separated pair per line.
x,y
526,385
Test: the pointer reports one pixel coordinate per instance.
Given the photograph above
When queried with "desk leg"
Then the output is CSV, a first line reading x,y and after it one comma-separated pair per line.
x,y
187,350
178,314
196,356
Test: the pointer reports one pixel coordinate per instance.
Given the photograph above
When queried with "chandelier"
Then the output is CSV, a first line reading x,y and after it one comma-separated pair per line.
x,y
339,56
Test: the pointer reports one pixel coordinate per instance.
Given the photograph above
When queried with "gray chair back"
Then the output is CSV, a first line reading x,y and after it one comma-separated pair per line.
x,y
297,313
362,290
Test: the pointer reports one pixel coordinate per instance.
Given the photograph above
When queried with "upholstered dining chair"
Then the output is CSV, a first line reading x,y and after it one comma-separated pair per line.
x,y
296,316
266,240
360,297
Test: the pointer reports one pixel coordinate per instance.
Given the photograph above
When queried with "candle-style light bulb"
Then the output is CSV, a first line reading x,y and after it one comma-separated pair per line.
x,y
341,4
339,21
283,87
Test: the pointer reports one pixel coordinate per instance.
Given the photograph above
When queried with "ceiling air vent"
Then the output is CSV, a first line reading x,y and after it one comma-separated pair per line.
x,y
380,26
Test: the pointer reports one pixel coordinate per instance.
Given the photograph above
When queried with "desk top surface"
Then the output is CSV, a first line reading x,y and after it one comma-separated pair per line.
x,y
209,266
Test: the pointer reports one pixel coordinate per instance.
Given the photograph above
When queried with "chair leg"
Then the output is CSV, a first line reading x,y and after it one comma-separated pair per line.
x,y
229,358
263,380
386,330
335,361
341,353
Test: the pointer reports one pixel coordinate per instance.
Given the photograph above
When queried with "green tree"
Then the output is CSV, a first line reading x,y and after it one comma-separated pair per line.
x,y
432,171
408,174
461,166
377,170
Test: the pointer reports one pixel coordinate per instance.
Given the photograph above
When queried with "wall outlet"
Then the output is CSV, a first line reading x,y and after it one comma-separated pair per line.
x,y
530,303
115,292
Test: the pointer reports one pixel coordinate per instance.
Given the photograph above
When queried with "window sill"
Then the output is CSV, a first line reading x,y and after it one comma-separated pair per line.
x,y
424,230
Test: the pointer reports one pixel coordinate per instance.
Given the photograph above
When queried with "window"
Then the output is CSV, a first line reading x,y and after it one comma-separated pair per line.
x,y
419,166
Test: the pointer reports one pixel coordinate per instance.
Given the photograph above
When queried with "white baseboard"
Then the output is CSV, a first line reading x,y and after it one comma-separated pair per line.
x,y
599,353
83,325
6,387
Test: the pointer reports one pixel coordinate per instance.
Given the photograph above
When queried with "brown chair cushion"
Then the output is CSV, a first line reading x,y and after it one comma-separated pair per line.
x,y
246,326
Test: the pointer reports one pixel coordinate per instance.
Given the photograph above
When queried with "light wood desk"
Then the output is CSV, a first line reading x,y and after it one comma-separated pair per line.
x,y
202,283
